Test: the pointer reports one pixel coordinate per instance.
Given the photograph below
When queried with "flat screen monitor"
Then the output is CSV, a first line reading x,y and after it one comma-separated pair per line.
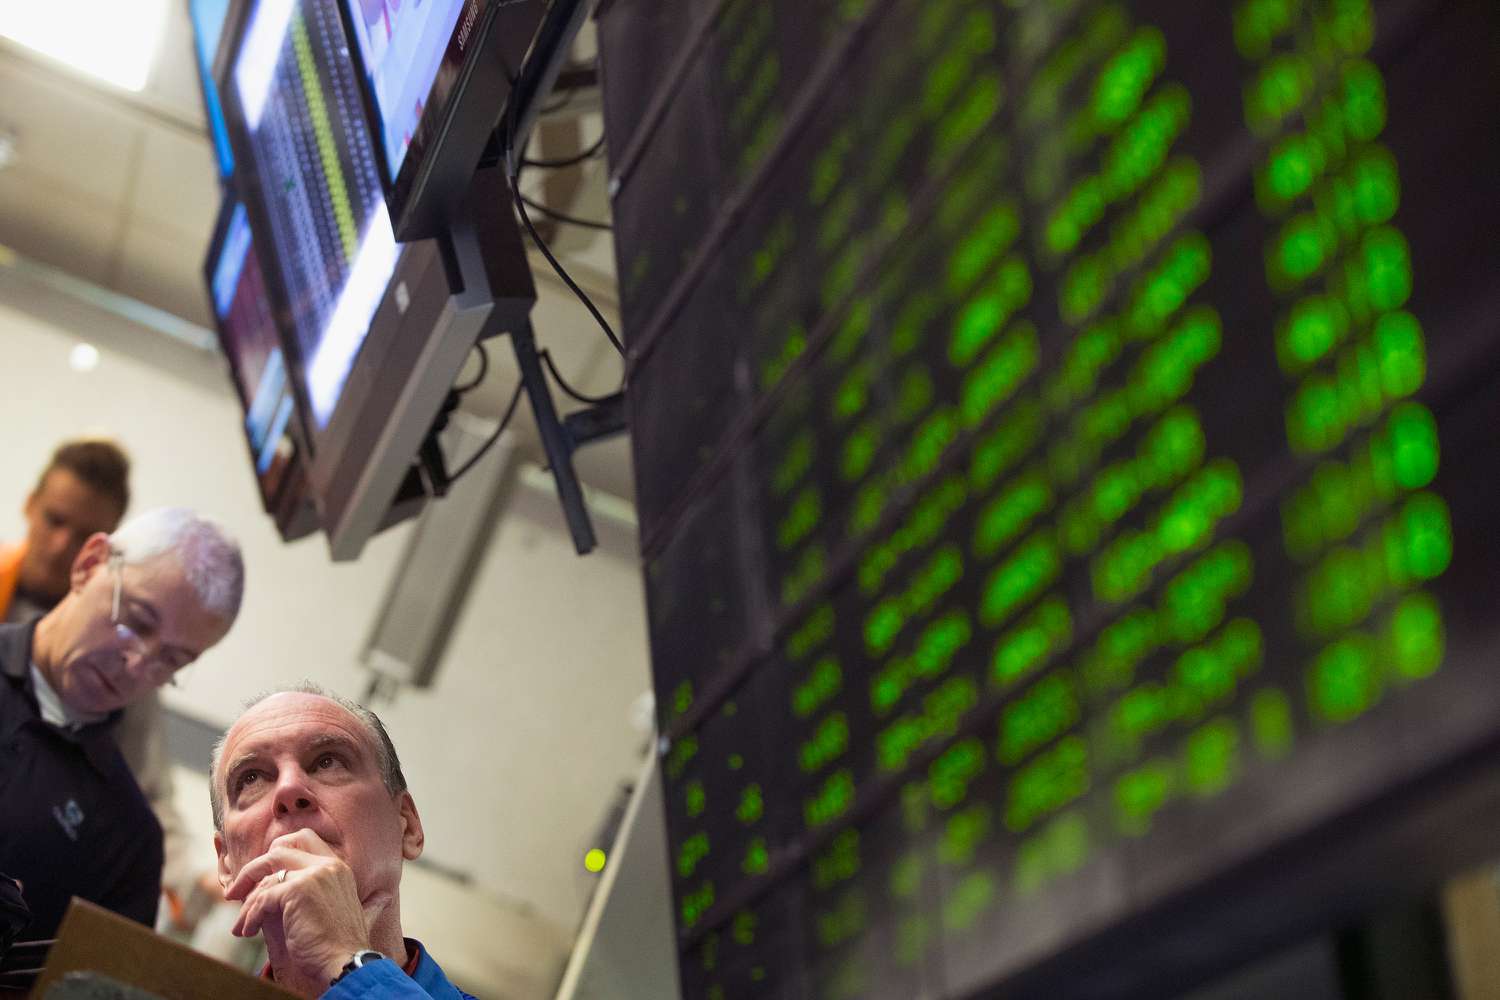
x,y
309,172
247,334
438,81
208,29
373,331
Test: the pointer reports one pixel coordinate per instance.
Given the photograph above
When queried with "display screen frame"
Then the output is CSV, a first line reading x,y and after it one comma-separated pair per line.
x,y
205,58
318,434
451,55
275,489
323,455
437,301
484,51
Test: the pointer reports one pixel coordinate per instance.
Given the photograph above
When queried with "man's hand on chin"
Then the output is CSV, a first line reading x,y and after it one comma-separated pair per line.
x,y
304,900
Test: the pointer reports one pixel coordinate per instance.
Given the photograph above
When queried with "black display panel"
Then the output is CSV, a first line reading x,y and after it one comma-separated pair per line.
x,y
401,46
374,331
312,186
437,80
1063,446
246,323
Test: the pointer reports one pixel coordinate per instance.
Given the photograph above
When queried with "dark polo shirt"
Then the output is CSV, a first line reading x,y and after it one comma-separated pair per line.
x,y
73,822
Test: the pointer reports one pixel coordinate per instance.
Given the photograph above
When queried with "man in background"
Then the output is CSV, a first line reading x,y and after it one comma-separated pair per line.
x,y
141,604
85,490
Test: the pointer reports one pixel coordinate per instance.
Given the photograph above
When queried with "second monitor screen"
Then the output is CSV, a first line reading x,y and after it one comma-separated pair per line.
x,y
402,45
319,186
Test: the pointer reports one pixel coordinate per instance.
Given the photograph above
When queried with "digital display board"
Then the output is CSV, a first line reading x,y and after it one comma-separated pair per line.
x,y
311,174
247,334
1063,445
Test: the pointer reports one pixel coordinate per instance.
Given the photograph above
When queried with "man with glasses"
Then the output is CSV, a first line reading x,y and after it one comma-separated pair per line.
x,y
141,604
85,489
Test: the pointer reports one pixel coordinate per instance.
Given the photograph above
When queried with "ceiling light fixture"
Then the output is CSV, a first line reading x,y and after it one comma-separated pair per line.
x,y
114,40
83,357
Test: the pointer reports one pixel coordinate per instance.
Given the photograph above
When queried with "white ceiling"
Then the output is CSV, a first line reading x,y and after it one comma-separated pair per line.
x,y
120,190
117,188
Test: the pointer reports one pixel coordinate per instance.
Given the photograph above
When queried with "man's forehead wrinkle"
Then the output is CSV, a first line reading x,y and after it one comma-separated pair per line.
x,y
325,740
320,741
241,760
262,735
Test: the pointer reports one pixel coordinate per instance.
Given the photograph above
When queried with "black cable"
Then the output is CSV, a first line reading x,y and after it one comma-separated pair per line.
x,y
565,161
510,411
484,369
564,386
571,220
567,278
513,168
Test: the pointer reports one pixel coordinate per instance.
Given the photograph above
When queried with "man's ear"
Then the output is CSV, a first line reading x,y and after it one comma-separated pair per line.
x,y
412,837
226,875
94,554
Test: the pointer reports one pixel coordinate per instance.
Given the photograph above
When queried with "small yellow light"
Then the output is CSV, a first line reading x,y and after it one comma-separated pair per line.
x,y
594,860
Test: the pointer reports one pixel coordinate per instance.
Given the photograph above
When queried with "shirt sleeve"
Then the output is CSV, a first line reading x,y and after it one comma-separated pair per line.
x,y
138,893
377,981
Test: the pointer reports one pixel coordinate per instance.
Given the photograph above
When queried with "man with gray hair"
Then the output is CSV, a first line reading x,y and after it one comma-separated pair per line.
x,y
313,822
141,604
83,490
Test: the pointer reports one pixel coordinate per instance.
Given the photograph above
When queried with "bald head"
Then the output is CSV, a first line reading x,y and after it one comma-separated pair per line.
x,y
306,780
289,700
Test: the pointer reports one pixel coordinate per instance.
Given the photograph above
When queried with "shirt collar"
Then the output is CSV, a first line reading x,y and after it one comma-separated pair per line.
x,y
429,975
96,740
54,710
15,649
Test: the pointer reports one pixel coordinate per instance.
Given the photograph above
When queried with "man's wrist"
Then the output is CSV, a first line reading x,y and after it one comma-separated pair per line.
x,y
358,960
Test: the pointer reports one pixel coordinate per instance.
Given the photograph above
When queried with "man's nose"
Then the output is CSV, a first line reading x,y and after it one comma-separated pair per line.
x,y
293,794
142,658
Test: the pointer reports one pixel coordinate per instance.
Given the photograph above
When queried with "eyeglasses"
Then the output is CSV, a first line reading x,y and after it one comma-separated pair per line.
x,y
128,630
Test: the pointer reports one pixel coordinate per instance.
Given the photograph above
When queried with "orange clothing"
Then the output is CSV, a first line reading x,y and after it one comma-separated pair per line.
x,y
10,572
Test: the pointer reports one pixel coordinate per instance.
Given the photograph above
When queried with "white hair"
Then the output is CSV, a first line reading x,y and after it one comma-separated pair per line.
x,y
209,557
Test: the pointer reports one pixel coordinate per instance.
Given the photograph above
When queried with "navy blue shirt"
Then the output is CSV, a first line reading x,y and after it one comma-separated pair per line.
x,y
73,821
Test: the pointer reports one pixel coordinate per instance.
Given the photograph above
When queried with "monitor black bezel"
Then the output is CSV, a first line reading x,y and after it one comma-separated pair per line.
x,y
436,297
207,76
424,196
245,184
314,438
271,499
